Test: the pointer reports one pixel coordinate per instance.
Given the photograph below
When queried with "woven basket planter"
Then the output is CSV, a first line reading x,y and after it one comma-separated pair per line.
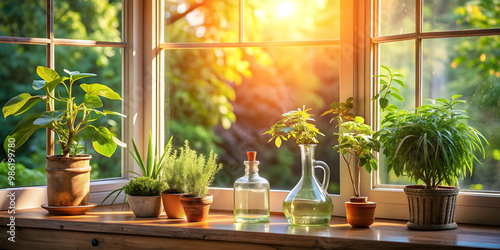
x,y
431,209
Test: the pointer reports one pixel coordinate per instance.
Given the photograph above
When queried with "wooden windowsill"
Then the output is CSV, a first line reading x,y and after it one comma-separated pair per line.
x,y
220,229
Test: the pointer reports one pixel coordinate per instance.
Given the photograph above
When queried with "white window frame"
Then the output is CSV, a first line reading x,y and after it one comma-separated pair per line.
x,y
472,207
133,105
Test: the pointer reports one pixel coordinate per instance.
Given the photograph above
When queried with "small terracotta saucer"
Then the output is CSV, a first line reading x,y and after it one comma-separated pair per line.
x,y
69,210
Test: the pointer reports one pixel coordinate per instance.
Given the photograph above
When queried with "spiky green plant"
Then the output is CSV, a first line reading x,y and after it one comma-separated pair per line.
x,y
433,144
200,171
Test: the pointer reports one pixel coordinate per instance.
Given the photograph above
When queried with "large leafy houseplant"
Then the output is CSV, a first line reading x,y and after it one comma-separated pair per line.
x,y
67,119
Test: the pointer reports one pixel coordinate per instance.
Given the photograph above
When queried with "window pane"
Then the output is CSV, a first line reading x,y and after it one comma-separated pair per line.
x,y
18,70
292,20
470,67
397,17
106,62
22,18
98,20
201,21
400,56
461,15
224,99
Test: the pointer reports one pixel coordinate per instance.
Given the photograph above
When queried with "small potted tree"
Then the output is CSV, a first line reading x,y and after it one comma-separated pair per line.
x,y
143,196
68,175
432,144
200,172
308,204
355,144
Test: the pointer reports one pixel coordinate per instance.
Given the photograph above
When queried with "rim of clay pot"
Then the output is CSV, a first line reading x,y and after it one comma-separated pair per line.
x,y
208,197
424,187
367,203
165,192
76,157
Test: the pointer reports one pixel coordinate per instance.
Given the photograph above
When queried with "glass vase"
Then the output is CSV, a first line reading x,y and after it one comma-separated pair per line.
x,y
308,204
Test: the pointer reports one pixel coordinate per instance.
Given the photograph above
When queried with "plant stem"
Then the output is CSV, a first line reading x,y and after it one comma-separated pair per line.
x,y
350,175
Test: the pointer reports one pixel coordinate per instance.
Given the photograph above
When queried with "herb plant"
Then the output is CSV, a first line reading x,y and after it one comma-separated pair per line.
x,y
200,171
143,186
386,81
69,121
173,172
294,124
433,144
355,141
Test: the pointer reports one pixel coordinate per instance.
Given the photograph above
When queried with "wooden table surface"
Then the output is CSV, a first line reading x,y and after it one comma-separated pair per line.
x,y
387,234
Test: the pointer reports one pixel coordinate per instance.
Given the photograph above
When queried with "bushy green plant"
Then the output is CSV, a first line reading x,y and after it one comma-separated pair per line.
x,y
173,172
143,186
199,170
355,141
433,144
295,125
69,121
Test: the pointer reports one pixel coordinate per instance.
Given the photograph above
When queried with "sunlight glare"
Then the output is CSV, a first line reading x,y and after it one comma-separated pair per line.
x,y
285,9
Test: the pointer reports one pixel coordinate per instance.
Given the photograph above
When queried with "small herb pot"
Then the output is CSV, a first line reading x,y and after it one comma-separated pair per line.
x,y
196,208
145,206
172,205
360,214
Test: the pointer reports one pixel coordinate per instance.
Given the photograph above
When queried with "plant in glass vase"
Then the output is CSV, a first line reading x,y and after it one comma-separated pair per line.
x,y
308,204
68,177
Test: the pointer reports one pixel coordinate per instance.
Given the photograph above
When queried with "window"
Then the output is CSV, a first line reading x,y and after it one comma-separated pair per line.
x,y
445,48
81,35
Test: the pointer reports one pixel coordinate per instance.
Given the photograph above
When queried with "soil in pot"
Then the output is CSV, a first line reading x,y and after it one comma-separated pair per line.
x,y
145,206
360,213
172,205
68,180
196,208
431,209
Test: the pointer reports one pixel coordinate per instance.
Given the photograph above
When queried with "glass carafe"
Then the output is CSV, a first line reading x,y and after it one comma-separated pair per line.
x,y
308,204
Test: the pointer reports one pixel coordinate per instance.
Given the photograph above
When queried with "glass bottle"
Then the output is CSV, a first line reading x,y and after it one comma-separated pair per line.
x,y
251,194
308,204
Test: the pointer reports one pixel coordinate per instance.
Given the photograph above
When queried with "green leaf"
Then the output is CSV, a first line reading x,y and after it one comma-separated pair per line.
x,y
150,159
103,143
100,90
23,131
82,75
107,112
92,101
47,74
20,104
46,119
359,119
38,84
397,96
138,158
383,102
399,82
119,142
71,73
456,96
49,86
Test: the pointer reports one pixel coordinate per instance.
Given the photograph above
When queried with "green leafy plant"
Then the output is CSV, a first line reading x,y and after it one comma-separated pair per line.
x,y
173,172
294,124
200,171
144,186
386,81
355,141
433,144
68,122
150,168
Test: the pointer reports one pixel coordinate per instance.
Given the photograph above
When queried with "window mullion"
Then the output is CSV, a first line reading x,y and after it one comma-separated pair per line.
x,y
50,64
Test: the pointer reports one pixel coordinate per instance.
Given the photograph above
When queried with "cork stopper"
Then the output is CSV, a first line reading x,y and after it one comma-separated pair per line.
x,y
252,155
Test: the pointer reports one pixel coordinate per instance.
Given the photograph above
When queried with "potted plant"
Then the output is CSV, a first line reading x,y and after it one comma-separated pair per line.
x,y
173,175
143,196
356,145
68,177
432,144
308,204
200,173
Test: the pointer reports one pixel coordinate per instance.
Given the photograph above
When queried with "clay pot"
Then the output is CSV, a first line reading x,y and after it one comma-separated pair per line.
x,y
172,205
196,208
145,206
68,180
431,209
360,214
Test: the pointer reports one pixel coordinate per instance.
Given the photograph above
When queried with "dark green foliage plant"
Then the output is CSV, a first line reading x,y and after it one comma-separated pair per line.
x,y
143,186
68,122
433,143
200,171
295,125
355,141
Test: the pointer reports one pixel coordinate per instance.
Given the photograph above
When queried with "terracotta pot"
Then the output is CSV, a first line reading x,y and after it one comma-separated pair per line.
x,y
68,180
196,208
172,205
360,214
431,209
145,206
